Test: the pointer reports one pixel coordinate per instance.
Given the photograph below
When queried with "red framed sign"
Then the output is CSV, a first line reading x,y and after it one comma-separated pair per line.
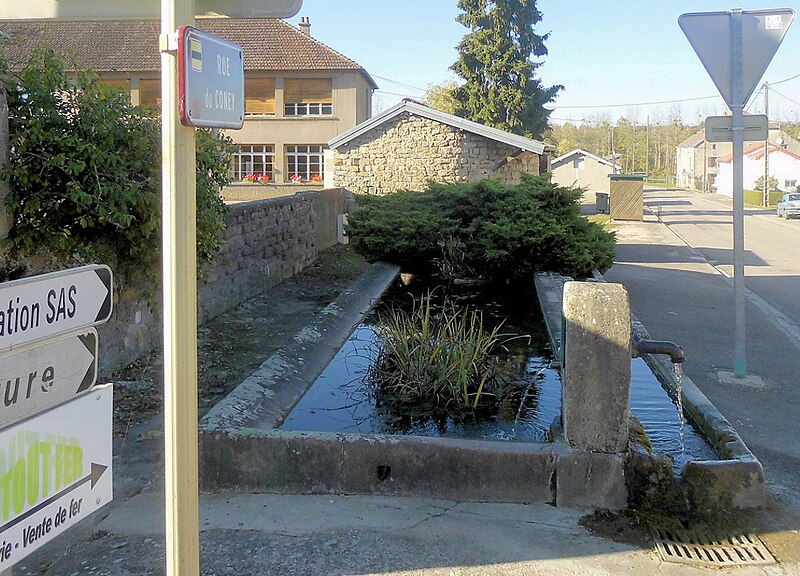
x,y
210,80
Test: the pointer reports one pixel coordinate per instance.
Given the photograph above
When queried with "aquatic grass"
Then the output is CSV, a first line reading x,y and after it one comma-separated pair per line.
x,y
441,356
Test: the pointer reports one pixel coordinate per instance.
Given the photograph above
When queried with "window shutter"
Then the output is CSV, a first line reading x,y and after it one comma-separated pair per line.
x,y
259,95
308,91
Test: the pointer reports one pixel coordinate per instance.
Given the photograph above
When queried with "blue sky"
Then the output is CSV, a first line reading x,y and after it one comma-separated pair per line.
x,y
608,55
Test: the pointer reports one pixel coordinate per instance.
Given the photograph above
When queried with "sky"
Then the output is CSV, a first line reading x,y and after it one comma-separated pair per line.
x,y
614,58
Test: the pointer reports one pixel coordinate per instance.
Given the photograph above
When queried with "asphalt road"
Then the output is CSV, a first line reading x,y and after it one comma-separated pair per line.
x,y
772,268
677,273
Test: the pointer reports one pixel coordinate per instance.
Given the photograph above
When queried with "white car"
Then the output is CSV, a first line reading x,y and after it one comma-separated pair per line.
x,y
789,206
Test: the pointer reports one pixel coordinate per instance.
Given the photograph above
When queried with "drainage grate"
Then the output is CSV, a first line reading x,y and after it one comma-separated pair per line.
x,y
688,547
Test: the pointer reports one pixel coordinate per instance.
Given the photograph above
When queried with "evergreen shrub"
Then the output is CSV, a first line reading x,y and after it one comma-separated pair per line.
x,y
505,231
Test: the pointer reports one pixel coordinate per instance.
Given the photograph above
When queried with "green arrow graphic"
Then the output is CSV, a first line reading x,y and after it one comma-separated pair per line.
x,y
93,477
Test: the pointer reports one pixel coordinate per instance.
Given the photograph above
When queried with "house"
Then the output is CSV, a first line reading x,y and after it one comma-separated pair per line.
x,y
697,161
299,93
583,169
409,144
784,166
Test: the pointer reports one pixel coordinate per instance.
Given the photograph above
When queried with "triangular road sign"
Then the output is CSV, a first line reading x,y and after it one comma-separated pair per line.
x,y
710,35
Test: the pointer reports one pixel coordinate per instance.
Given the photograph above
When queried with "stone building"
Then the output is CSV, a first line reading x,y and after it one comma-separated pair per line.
x,y
409,144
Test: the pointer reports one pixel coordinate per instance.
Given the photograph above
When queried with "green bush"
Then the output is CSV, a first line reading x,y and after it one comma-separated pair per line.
x,y
85,171
505,232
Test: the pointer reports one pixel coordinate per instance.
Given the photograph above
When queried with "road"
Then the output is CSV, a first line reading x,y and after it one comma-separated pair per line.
x,y
772,268
678,279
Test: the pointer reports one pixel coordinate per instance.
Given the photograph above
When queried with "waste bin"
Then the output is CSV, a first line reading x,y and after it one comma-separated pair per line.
x,y
601,202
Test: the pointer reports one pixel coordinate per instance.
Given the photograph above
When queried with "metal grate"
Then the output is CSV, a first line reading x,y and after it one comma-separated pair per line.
x,y
689,547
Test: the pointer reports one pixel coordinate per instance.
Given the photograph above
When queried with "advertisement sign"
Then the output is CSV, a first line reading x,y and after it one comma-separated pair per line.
x,y
55,470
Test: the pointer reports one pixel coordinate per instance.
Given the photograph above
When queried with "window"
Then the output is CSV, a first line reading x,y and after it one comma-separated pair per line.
x,y
259,96
712,161
150,93
252,162
789,184
578,163
307,96
304,163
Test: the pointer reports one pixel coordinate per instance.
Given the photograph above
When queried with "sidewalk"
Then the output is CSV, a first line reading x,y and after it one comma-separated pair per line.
x,y
676,295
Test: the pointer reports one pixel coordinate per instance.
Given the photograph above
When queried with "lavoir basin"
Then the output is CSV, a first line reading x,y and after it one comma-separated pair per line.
x,y
303,423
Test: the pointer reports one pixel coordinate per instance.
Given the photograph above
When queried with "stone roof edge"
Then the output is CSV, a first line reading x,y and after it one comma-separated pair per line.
x,y
521,142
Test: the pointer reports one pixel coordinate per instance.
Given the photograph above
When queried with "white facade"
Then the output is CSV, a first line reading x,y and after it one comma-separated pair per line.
x,y
783,166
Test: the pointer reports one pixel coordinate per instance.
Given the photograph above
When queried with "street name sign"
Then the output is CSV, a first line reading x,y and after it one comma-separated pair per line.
x,y
41,376
55,470
210,80
141,9
720,128
53,304
709,33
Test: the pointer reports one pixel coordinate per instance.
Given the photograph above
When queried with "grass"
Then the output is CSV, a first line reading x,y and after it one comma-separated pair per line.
x,y
437,357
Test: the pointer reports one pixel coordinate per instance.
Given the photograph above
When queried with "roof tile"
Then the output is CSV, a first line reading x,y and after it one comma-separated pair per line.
x,y
132,45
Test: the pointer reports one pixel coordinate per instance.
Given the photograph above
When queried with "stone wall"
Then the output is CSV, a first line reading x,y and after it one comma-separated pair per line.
x,y
410,150
267,242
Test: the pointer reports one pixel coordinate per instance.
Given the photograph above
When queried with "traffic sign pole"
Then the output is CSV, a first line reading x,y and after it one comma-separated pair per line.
x,y
739,345
735,72
180,307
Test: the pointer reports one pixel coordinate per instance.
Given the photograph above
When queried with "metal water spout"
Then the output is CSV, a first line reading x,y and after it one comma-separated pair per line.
x,y
640,346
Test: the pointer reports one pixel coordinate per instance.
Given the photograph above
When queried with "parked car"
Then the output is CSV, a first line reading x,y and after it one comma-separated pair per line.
x,y
789,206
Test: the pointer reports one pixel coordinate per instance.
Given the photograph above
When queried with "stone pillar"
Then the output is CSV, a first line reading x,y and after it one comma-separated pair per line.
x,y
5,217
597,366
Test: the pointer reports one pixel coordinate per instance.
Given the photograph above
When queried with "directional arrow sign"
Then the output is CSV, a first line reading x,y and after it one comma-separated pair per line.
x,y
55,470
709,33
36,378
49,305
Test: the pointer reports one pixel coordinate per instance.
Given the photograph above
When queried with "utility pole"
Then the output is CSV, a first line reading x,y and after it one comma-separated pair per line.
x,y
647,148
765,191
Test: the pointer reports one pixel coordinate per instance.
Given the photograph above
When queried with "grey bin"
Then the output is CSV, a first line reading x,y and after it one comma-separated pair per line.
x,y
601,202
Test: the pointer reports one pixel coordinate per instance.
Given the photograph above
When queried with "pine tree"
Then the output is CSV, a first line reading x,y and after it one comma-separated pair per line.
x,y
501,89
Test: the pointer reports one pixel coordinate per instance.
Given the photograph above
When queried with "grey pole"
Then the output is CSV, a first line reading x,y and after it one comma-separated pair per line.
x,y
739,348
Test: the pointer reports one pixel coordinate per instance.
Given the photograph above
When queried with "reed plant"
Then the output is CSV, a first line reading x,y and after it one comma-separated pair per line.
x,y
440,356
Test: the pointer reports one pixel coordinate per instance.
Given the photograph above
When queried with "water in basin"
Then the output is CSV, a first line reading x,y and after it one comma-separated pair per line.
x,y
339,401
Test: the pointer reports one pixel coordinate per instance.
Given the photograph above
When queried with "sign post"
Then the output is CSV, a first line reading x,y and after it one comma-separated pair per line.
x,y
752,38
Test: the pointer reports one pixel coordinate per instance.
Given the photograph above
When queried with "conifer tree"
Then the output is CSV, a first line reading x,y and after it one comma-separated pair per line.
x,y
495,60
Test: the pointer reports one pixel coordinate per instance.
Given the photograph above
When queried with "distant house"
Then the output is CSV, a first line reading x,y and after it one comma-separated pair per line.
x,y
299,93
410,143
697,161
583,169
784,166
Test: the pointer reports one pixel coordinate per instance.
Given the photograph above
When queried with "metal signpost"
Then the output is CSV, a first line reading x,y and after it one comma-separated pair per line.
x,y
46,375
55,471
49,305
735,48
178,213
210,80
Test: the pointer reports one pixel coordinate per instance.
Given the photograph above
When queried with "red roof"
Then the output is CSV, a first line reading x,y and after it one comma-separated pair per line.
x,y
132,45
756,151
